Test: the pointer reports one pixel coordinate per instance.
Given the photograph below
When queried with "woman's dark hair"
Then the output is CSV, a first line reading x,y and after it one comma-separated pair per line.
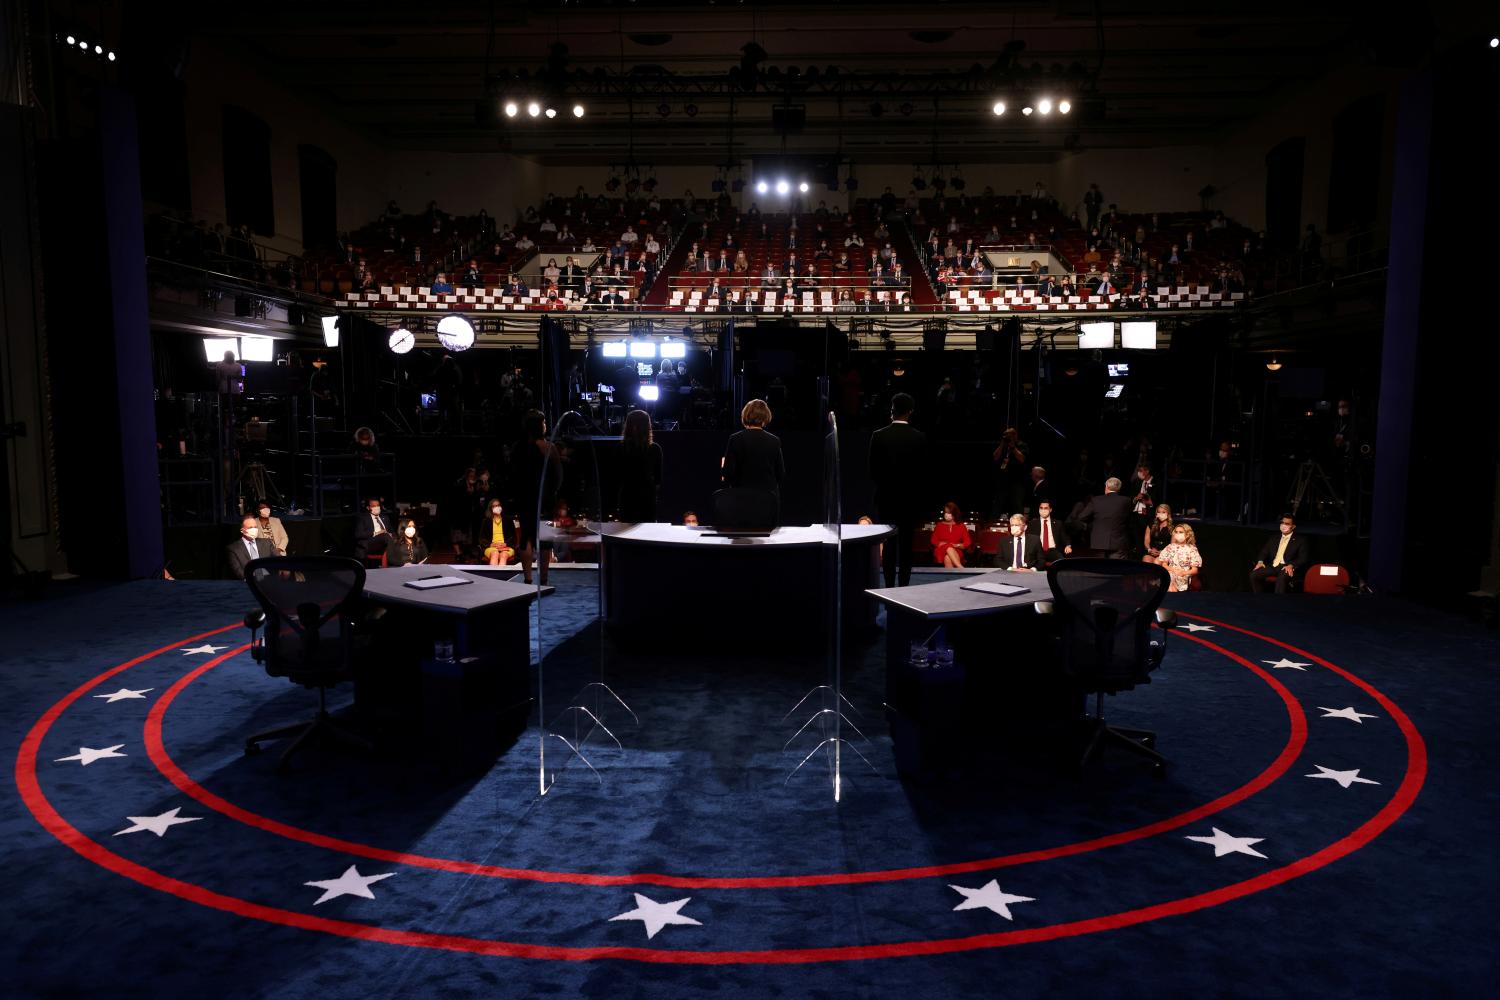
x,y
533,424
637,430
952,508
401,538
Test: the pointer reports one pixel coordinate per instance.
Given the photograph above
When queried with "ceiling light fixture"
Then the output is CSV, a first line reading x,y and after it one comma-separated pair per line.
x,y
511,110
1064,106
578,111
533,109
1273,365
999,108
1044,106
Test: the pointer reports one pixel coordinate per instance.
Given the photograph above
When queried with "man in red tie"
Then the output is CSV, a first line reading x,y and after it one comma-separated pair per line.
x,y
1051,536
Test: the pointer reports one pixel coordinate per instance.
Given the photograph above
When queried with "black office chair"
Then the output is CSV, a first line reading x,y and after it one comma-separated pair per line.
x,y
737,508
308,608
1104,609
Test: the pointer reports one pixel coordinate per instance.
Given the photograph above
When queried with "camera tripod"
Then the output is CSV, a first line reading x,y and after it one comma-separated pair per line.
x,y
1312,486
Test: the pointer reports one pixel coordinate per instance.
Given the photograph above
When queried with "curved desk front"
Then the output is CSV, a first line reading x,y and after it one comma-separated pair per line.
x,y
746,587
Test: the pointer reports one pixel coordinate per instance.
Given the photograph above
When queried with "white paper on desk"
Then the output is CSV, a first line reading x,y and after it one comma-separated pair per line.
x,y
1002,589
433,582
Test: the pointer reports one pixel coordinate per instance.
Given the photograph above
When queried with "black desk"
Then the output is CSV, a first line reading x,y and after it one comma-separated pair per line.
x,y
471,704
1002,689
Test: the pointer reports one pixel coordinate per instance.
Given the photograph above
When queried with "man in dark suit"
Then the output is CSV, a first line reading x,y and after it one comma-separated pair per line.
x,y
898,468
372,530
1281,560
1108,518
1041,491
1020,551
1050,533
247,546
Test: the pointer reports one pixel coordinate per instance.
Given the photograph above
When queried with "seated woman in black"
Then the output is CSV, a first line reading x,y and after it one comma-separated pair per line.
x,y
640,468
752,459
408,546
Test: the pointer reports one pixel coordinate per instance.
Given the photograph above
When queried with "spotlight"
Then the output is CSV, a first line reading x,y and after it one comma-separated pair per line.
x,y
1063,107
578,111
330,331
511,110
673,349
761,187
1494,43
999,108
803,187
642,349
455,333
401,341
72,40
1044,106
782,187
533,109
648,393
1026,111
1273,365
84,46
613,348
551,112
98,50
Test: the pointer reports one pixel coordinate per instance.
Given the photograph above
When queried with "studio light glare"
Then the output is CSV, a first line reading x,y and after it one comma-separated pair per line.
x,y
551,112
455,333
578,111
1044,106
1063,107
511,110
782,187
330,331
803,187
999,108
762,187
533,109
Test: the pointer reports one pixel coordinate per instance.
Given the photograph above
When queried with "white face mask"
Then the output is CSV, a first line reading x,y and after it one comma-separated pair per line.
x,y
411,532
374,510
265,512
495,512
252,533
1017,529
1180,538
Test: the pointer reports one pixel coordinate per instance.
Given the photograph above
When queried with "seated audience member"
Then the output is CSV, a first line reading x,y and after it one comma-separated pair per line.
x,y
249,545
1158,533
950,538
372,530
525,244
741,263
440,285
1180,557
854,240
690,519
1020,552
516,288
498,552
842,265
563,528
1050,533
551,272
547,226
1281,559
629,235
651,245
271,527
823,252
407,546
472,277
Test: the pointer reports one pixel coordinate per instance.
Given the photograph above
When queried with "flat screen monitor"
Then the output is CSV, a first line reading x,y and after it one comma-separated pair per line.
x,y
1096,336
1138,335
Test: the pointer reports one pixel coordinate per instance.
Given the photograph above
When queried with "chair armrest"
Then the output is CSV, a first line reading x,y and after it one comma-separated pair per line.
x,y
1166,618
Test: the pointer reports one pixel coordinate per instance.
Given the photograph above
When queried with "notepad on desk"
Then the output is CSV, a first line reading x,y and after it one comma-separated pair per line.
x,y
434,582
999,589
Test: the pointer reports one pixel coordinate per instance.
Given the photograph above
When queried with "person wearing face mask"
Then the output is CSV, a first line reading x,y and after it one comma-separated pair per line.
x,y
950,539
1050,534
1158,533
249,545
271,527
498,552
408,547
372,530
1181,558
1281,559
1219,474
1020,552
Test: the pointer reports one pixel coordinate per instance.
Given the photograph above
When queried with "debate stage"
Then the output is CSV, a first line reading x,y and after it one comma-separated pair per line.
x,y
1327,798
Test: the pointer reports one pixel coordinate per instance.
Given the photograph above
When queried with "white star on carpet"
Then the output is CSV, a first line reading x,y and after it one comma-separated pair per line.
x,y
158,824
656,915
123,694
1224,844
988,897
1285,664
1198,628
87,755
1344,778
351,883
204,649
1345,713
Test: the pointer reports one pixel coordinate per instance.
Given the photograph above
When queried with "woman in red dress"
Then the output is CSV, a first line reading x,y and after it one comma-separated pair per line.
x,y
950,539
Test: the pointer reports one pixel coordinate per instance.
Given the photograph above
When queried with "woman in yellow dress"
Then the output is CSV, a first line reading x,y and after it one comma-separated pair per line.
x,y
499,551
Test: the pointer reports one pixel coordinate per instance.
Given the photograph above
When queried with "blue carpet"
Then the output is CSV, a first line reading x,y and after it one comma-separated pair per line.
x,y
789,893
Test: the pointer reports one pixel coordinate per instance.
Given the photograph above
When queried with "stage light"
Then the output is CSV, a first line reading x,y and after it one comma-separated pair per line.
x,y
98,50
533,109
782,187
72,40
455,333
1273,365
1044,106
648,393
578,111
762,187
803,187
613,348
1495,43
642,349
1096,336
84,46
330,331
1026,111
401,341
1138,335
214,348
511,110
257,349
999,108
1063,107
673,349
551,112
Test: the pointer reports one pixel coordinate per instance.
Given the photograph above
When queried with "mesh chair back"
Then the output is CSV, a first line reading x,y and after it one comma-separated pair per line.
x,y
309,602
1105,609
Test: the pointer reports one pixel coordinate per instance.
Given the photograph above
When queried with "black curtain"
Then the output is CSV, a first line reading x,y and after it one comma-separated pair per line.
x,y
318,182
247,171
1354,177
1284,193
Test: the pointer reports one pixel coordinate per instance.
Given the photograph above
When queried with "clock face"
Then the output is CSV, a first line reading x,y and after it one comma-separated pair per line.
x,y
401,341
